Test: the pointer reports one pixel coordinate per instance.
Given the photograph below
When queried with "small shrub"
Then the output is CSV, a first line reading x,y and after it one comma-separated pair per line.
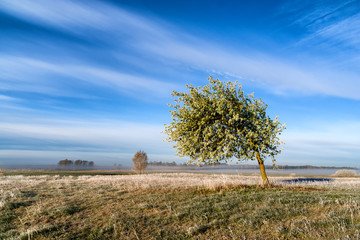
x,y
345,173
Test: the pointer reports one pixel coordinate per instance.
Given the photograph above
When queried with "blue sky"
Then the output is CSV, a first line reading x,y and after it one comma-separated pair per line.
x,y
92,79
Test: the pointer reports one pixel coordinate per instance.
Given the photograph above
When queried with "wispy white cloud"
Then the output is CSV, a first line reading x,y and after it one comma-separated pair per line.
x,y
77,17
317,13
32,137
157,39
80,135
104,141
66,14
7,98
339,34
119,140
151,37
327,24
270,72
324,141
33,75
343,32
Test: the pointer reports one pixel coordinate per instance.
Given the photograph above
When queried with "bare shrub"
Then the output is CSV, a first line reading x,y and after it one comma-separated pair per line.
x,y
140,161
345,173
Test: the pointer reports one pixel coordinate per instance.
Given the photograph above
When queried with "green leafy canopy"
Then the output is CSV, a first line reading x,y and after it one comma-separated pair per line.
x,y
218,122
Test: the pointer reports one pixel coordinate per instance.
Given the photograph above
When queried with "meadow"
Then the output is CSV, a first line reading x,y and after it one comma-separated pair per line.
x,y
177,206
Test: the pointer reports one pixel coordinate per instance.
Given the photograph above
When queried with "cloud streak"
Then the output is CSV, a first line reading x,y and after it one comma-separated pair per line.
x,y
328,25
97,137
28,74
152,38
331,143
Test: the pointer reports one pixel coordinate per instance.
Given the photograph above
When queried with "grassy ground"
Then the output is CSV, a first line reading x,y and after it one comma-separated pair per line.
x,y
176,206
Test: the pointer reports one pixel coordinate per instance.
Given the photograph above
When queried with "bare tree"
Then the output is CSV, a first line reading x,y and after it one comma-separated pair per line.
x,y
140,161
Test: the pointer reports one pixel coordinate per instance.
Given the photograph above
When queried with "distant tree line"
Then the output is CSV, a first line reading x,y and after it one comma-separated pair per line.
x,y
76,163
173,163
160,163
310,166
117,166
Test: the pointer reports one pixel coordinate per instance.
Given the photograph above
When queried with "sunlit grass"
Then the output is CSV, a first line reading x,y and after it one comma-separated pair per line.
x,y
177,206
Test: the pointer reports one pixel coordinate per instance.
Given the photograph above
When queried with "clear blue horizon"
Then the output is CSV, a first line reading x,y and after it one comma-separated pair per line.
x,y
92,79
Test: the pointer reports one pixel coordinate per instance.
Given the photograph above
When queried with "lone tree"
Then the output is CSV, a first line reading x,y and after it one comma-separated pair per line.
x,y
218,122
140,161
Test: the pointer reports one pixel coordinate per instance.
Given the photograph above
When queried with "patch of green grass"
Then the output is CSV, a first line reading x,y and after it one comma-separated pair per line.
x,y
6,222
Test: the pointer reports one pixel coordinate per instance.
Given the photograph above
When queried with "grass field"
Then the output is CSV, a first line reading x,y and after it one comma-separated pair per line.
x,y
177,206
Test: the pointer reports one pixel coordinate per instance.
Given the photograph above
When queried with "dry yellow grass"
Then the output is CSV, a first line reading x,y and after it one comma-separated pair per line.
x,y
172,180
177,206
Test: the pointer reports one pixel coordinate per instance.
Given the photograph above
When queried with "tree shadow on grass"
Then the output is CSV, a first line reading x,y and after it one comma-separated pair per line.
x,y
308,180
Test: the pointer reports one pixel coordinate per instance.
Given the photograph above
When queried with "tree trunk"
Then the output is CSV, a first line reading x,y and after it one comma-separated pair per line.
x,y
262,170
